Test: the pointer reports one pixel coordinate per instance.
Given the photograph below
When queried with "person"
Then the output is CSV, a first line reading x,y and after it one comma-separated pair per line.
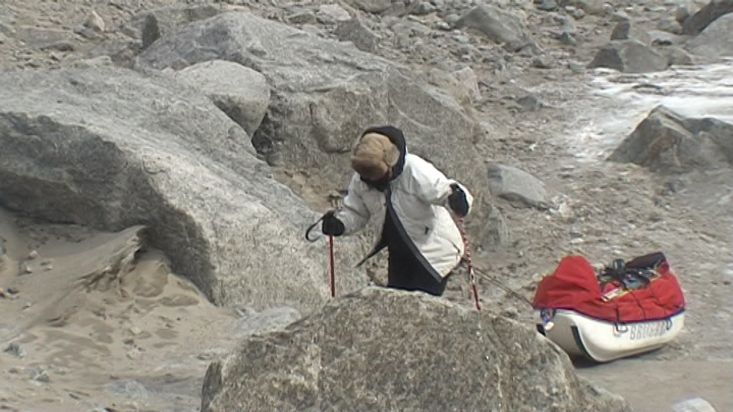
x,y
412,201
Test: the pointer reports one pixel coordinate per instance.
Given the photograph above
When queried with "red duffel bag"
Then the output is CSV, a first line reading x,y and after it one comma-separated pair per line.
x,y
575,286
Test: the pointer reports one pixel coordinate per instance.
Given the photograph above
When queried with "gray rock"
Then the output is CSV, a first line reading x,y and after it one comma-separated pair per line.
x,y
129,388
498,229
715,41
669,143
149,25
663,38
110,148
547,5
324,93
458,359
706,15
629,56
357,33
330,13
371,6
467,77
15,349
595,7
529,103
498,25
463,91
302,17
517,186
677,56
41,38
693,405
270,320
242,93
669,25
625,31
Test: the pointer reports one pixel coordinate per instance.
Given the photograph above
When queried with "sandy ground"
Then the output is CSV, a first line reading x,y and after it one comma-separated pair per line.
x,y
93,320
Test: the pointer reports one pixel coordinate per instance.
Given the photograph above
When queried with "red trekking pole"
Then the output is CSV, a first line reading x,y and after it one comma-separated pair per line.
x,y
331,260
471,274
331,265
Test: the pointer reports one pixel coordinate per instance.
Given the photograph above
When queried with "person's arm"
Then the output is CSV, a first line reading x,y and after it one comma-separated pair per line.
x,y
353,215
431,185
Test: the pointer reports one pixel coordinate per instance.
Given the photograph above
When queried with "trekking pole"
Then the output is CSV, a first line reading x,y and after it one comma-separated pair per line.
x,y
332,270
471,274
331,260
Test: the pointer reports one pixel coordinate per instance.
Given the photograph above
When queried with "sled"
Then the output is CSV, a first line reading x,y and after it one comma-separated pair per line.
x,y
603,341
627,309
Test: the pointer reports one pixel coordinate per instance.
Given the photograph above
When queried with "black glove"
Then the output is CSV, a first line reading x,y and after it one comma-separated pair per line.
x,y
332,225
457,201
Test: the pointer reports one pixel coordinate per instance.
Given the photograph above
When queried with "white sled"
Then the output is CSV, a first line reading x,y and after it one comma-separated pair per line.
x,y
603,341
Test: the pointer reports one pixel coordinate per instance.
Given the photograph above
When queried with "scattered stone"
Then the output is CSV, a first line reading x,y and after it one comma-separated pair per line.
x,y
370,6
33,254
541,62
499,233
95,22
677,56
715,39
693,405
240,92
529,103
577,13
625,31
669,25
329,13
302,17
498,25
62,46
135,330
629,56
707,15
547,5
40,375
467,77
357,33
12,291
15,350
129,388
25,268
517,186
150,25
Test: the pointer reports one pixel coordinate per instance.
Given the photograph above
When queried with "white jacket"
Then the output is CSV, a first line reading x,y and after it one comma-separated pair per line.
x,y
420,199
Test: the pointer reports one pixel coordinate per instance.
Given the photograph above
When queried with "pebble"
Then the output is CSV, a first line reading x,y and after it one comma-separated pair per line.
x,y
95,22
33,254
25,269
15,350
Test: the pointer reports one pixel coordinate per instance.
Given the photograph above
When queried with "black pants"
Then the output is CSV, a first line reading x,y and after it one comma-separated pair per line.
x,y
407,273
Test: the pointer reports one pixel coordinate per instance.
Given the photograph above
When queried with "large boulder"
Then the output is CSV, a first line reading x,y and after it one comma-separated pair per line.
x,y
706,15
716,40
668,142
242,93
149,25
629,56
517,186
387,350
324,93
111,148
500,26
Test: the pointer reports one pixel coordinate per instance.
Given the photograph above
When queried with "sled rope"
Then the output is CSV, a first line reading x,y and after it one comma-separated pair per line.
x,y
471,274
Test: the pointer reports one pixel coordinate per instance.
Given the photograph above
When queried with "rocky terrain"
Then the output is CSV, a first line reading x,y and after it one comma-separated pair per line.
x,y
160,161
